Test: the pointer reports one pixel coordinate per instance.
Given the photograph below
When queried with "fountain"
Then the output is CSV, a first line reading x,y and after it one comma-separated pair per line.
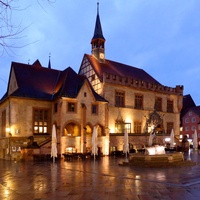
x,y
156,156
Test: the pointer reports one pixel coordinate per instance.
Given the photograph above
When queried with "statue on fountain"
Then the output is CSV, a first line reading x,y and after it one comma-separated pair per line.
x,y
185,144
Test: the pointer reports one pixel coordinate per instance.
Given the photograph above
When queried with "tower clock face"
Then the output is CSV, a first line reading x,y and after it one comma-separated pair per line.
x,y
102,55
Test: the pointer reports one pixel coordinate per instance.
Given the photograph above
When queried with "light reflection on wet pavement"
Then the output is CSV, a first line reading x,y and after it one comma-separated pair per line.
x,y
97,179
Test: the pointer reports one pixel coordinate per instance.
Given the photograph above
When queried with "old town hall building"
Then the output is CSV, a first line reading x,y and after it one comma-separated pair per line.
x,y
108,94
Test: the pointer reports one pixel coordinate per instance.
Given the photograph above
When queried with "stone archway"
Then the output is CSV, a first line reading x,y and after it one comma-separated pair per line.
x,y
72,129
88,130
71,137
100,131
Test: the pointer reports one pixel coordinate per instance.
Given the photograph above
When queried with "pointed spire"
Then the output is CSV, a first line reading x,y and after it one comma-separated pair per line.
x,y
49,65
98,40
98,33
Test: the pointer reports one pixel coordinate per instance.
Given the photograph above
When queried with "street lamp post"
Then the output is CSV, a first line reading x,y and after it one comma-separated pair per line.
x,y
8,131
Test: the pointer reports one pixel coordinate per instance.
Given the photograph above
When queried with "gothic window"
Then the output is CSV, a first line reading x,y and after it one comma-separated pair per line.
x,y
170,106
41,121
121,126
119,98
137,127
158,104
138,101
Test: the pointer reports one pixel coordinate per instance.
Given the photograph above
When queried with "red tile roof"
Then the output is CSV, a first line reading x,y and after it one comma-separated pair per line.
x,y
119,69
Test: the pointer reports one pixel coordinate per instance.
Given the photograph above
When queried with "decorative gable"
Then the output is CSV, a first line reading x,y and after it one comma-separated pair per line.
x,y
37,64
85,94
88,70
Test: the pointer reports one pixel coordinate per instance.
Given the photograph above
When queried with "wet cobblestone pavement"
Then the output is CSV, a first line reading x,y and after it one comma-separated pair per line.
x,y
100,179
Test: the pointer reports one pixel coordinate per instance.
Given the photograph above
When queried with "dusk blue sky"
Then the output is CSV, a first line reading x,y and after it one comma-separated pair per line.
x,y
160,36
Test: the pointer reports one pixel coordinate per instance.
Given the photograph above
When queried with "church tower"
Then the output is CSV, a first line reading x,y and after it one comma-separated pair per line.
x,y
98,41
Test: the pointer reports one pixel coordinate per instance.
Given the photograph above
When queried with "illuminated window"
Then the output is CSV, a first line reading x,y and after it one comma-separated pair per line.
x,y
138,101
41,121
120,127
70,150
170,106
137,127
119,98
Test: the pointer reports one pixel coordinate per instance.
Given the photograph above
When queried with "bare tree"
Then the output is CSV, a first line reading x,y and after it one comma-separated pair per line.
x,y
8,30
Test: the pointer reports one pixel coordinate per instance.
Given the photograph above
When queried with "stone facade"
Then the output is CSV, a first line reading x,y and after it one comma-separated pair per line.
x,y
128,113
76,103
20,119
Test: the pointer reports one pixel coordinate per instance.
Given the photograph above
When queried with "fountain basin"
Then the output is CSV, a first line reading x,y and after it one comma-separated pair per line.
x,y
158,160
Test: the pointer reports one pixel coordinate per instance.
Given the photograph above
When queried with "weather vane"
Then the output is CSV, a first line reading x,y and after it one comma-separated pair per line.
x,y
97,6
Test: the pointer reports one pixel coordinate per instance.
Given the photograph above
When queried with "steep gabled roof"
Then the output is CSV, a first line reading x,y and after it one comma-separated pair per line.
x,y
187,104
71,84
35,81
119,69
195,109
